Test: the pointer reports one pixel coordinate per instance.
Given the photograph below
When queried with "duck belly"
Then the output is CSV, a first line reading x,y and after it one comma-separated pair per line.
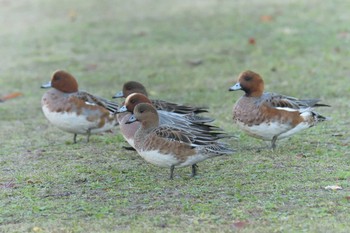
x,y
77,124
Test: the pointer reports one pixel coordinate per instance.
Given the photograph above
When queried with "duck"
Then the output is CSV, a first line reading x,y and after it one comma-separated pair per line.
x,y
131,87
169,146
184,121
271,116
74,111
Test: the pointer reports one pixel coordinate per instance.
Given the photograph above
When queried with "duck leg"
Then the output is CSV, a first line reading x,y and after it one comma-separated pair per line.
x,y
128,148
172,172
194,170
273,142
75,138
88,135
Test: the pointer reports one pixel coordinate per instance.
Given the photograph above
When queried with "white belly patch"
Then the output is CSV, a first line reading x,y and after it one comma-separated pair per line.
x,y
73,123
265,131
156,158
168,160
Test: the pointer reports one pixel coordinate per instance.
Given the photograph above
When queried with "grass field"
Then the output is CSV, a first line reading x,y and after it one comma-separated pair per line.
x,y
186,52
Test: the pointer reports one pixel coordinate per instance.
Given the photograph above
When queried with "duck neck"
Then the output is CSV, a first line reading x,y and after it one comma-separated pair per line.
x,y
253,94
149,125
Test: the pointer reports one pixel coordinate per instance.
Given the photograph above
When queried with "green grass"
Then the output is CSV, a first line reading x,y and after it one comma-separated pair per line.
x,y
48,184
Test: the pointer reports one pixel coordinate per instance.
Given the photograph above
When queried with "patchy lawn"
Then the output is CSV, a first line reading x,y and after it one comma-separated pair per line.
x,y
186,52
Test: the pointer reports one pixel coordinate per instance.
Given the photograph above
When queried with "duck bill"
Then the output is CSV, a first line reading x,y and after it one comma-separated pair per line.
x,y
118,95
46,85
235,87
131,119
121,109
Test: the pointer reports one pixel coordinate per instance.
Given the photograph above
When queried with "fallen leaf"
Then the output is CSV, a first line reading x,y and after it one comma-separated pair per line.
x,y
333,187
34,181
300,156
266,18
37,229
347,198
252,41
10,96
195,62
240,224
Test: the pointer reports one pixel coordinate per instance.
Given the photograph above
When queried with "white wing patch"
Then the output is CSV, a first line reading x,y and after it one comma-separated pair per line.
x,y
287,109
90,103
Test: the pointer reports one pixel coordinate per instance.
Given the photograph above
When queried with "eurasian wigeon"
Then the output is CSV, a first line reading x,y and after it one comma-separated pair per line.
x,y
74,111
168,146
184,121
271,116
136,87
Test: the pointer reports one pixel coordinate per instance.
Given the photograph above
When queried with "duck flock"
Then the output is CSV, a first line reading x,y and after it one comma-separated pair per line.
x,y
172,135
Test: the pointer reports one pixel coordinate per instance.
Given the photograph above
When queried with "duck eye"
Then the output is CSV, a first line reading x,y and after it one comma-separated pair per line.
x,y
248,78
